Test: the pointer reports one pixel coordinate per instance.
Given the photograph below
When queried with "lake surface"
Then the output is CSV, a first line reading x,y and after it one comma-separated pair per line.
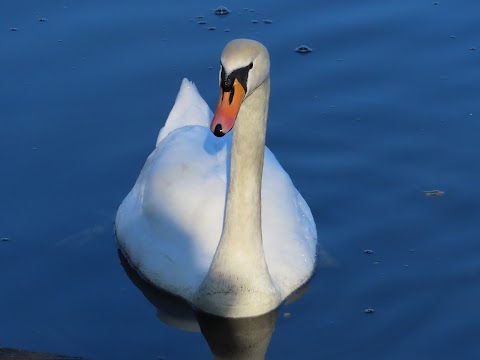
x,y
385,107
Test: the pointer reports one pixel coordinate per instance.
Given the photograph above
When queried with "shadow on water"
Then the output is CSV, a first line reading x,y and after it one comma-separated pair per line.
x,y
16,354
245,338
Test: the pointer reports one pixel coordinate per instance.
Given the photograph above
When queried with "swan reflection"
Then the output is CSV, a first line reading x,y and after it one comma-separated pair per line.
x,y
244,338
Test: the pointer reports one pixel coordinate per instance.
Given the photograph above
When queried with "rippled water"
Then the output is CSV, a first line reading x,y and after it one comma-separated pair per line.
x,y
384,108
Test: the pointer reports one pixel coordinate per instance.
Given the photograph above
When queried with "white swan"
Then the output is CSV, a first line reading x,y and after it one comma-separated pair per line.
x,y
200,221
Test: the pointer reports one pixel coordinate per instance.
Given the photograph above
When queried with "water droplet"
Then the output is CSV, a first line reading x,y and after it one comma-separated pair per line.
x,y
221,10
429,193
368,251
369,311
266,21
303,49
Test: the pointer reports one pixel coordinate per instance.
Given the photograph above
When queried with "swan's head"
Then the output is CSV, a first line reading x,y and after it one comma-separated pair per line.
x,y
244,65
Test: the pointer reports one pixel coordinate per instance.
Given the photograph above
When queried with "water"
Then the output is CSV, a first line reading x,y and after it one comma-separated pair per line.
x,y
383,109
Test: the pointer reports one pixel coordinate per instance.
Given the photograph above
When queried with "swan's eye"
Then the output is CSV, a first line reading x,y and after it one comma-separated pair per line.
x,y
251,65
227,84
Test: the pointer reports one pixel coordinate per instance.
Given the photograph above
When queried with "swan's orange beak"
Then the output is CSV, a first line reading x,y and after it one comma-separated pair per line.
x,y
227,109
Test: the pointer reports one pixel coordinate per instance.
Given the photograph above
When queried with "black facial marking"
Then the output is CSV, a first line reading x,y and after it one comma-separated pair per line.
x,y
226,82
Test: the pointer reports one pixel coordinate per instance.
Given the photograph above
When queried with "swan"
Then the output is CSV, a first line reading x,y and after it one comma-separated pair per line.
x,y
216,220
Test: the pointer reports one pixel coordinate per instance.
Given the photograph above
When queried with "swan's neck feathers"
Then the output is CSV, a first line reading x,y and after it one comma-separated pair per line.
x,y
242,225
238,280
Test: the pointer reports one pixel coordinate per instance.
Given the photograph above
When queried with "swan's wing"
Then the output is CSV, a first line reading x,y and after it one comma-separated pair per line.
x,y
171,221
288,228
189,109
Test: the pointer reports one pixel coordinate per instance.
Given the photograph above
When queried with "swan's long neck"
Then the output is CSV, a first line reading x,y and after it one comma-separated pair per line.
x,y
238,279
242,225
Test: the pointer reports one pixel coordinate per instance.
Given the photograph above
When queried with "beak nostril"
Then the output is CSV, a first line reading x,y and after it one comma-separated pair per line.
x,y
218,132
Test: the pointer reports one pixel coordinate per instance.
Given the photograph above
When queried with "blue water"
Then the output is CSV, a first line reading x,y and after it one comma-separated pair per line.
x,y
384,108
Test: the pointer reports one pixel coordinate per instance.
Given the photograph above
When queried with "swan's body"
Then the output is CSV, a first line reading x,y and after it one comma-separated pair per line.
x,y
214,231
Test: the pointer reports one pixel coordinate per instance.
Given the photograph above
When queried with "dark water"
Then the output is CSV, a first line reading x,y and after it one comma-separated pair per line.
x,y
384,108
